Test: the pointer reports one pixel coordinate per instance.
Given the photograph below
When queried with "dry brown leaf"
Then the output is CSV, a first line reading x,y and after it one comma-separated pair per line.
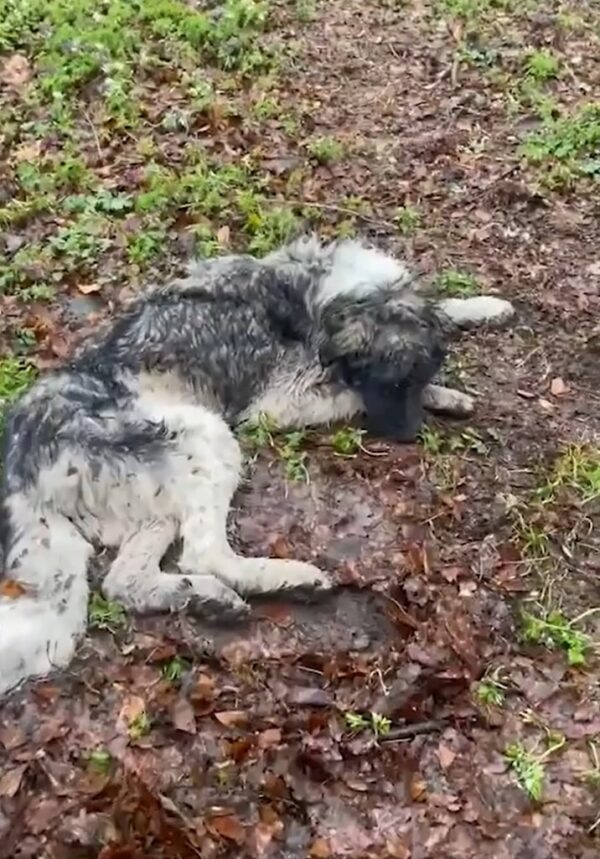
x,y
320,849
558,387
182,716
232,718
12,589
270,737
132,709
227,826
223,236
15,72
88,288
446,756
10,781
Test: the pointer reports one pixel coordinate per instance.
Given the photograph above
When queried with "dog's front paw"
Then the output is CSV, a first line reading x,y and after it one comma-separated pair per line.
x,y
271,576
209,598
478,311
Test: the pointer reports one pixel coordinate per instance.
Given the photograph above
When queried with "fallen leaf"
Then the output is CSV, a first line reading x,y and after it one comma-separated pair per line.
x,y
12,589
132,709
223,236
15,72
446,756
320,849
558,387
309,697
182,716
10,781
268,738
232,718
227,826
88,288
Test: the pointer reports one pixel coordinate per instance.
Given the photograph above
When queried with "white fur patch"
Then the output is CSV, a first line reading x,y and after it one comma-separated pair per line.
x,y
478,310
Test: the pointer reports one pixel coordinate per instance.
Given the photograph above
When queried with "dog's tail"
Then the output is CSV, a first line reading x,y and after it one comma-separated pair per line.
x,y
43,598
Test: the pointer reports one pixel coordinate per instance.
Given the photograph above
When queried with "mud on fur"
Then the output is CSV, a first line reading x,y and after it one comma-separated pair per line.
x,y
130,445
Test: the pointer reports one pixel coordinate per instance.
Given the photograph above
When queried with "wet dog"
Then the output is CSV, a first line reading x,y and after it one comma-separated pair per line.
x,y
131,444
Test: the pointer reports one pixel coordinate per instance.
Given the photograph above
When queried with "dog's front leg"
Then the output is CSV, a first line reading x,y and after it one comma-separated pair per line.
x,y
477,312
448,401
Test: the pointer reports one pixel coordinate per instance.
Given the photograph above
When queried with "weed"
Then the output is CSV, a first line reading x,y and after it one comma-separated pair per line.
x,y
81,242
305,10
100,761
541,65
529,767
457,283
566,148
266,228
294,460
436,444
325,150
577,468
407,219
380,725
530,534
16,375
491,691
266,108
554,631
174,670
146,245
529,770
258,434
105,614
347,441
139,726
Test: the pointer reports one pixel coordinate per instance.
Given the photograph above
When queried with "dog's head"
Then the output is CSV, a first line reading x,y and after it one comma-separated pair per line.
x,y
387,347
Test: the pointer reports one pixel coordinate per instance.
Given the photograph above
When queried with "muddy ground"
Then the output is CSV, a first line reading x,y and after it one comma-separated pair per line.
x,y
170,738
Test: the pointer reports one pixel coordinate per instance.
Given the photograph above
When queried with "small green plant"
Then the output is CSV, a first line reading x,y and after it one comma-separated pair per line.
x,y
436,444
457,283
258,434
408,219
325,150
347,441
490,690
380,725
16,375
81,242
146,245
139,726
577,468
529,767
530,535
105,614
294,459
529,770
554,631
305,10
566,148
541,65
174,669
100,761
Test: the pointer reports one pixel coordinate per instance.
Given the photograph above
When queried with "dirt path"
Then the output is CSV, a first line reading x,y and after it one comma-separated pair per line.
x,y
444,703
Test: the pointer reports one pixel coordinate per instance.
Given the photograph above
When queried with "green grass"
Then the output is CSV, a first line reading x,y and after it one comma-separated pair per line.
x,y
105,614
408,220
326,150
541,65
491,691
378,724
578,469
455,283
566,148
347,441
264,433
554,631
16,375
174,669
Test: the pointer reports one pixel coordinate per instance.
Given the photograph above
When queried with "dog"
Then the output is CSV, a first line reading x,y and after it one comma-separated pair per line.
x,y
131,444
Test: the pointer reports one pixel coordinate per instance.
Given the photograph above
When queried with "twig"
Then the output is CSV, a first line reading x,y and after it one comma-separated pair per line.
x,y
88,119
409,731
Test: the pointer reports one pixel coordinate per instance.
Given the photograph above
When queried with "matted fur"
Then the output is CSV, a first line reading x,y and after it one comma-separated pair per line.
x,y
131,444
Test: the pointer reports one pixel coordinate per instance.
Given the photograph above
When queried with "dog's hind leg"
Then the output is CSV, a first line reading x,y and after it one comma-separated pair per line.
x,y
136,580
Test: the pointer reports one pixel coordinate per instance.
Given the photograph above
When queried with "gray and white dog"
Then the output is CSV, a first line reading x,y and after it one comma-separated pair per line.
x,y
131,444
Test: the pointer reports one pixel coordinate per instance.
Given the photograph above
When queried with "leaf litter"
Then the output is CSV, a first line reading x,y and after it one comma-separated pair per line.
x,y
169,738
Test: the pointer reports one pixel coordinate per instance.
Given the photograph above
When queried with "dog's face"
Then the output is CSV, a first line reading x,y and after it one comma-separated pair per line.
x,y
387,348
